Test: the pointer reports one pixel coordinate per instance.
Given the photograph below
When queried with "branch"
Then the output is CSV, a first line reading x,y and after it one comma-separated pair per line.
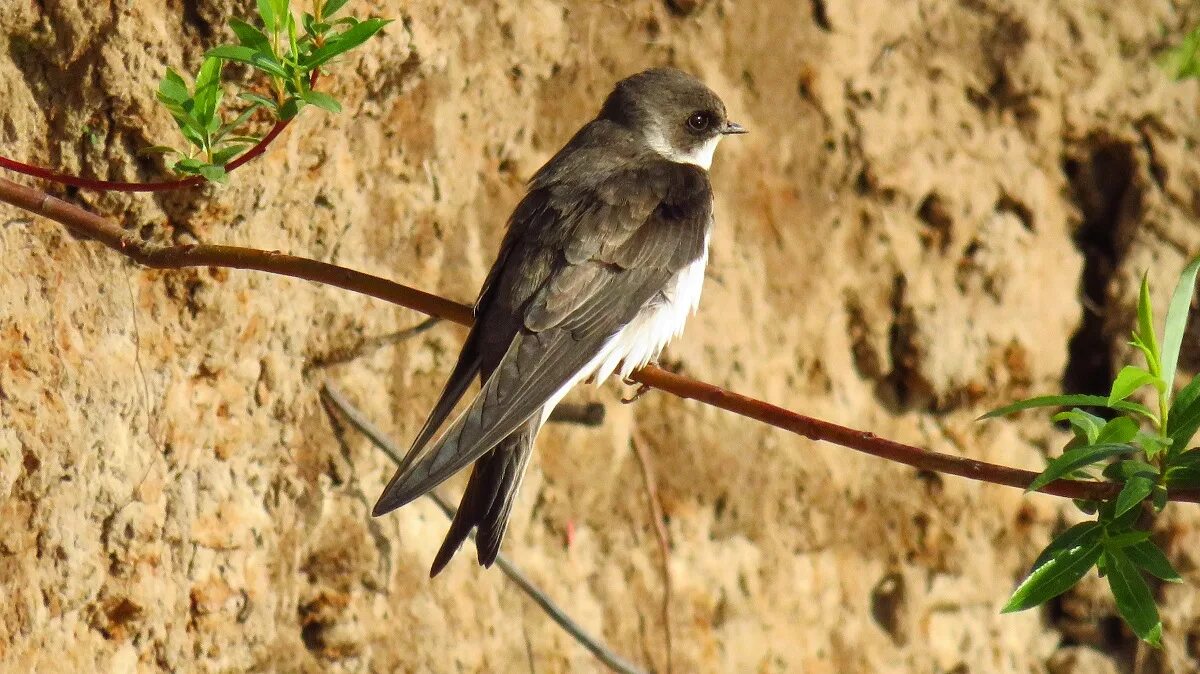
x,y
360,422
345,354
90,225
641,449
160,186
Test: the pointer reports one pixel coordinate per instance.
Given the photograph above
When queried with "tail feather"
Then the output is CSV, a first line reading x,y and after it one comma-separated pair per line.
x,y
488,499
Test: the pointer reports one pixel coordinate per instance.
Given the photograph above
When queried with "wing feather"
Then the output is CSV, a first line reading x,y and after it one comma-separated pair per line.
x,y
578,266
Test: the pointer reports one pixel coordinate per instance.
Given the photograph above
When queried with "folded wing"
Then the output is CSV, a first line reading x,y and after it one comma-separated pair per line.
x,y
576,267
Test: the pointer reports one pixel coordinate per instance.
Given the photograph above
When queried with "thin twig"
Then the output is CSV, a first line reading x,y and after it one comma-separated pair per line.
x,y
342,355
641,450
157,186
377,438
87,224
528,649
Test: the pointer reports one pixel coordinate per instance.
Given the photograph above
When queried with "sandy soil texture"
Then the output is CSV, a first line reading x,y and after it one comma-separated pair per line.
x,y
941,206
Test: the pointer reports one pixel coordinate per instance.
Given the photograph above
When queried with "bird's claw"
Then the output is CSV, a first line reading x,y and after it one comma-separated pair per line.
x,y
641,390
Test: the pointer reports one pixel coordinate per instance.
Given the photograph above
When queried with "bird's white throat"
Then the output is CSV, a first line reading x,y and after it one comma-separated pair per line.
x,y
701,156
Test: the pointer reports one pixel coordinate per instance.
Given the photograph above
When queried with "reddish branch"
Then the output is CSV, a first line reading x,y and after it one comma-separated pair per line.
x,y
90,225
160,186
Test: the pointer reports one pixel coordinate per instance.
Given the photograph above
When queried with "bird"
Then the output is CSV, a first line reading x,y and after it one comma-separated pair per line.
x,y
600,266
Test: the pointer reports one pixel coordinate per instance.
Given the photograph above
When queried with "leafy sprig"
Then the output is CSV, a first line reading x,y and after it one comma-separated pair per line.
x,y
1142,448
289,53
1183,60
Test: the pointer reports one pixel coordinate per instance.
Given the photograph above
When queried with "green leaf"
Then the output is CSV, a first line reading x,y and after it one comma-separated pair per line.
x,y
1159,498
1145,331
90,134
190,128
1188,459
282,7
1184,418
1136,408
1184,60
208,91
231,52
266,11
244,140
260,60
268,64
297,86
1149,557
250,36
1123,470
188,165
1130,379
331,7
1125,540
1177,316
224,155
1147,352
172,88
213,174
1060,566
241,119
1076,458
1152,444
294,50
1120,429
176,108
1074,399
1134,601
1136,489
345,41
320,29
1086,425
1083,533
1184,470
158,149
268,103
289,108
324,101
1114,524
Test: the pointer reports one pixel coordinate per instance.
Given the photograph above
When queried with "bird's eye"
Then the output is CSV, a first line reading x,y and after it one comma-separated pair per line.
x,y
698,121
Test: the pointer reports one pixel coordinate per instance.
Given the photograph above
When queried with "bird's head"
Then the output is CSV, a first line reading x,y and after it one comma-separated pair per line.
x,y
677,116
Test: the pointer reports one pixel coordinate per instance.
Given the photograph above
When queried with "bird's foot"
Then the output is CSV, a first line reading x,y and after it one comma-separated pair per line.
x,y
641,391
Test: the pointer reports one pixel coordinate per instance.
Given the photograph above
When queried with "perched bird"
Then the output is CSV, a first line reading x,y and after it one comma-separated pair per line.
x,y
601,265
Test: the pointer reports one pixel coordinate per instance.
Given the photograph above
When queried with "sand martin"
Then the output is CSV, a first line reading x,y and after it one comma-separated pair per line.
x,y
602,263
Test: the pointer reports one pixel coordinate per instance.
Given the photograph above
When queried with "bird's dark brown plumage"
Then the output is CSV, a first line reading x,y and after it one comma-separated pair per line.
x,y
605,226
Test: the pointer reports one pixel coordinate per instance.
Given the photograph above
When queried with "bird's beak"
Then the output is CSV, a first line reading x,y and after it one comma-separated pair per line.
x,y
732,128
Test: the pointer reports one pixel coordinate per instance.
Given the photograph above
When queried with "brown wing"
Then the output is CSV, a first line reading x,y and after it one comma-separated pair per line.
x,y
580,261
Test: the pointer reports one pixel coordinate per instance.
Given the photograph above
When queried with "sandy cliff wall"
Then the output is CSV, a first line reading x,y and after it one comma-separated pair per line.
x,y
941,206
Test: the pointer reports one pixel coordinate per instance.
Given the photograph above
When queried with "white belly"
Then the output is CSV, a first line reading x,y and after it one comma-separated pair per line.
x,y
660,321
